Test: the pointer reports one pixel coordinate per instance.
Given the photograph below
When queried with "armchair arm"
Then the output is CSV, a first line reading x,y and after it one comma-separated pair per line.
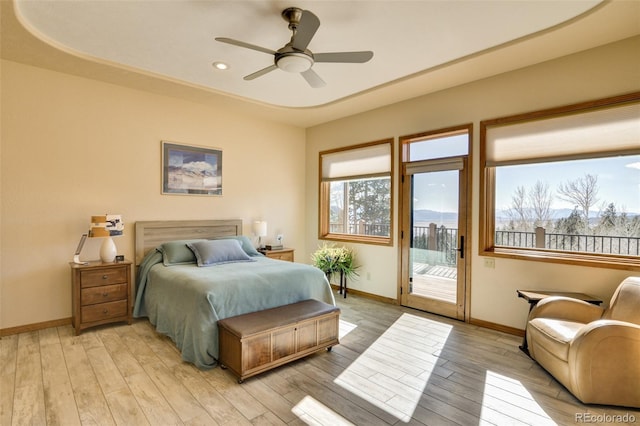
x,y
603,363
566,308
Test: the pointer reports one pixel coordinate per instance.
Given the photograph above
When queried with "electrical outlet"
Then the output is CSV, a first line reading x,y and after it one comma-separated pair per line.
x,y
368,276
489,262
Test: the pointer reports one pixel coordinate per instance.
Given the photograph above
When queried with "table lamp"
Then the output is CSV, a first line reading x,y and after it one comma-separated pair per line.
x,y
107,226
260,229
76,256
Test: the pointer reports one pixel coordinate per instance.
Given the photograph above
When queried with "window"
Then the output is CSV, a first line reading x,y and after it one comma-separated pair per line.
x,y
563,185
435,145
356,193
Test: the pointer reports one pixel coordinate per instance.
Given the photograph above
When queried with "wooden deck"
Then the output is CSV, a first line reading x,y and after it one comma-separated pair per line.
x,y
435,282
394,366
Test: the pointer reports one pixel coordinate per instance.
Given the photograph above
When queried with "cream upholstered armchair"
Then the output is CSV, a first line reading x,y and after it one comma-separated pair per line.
x,y
593,352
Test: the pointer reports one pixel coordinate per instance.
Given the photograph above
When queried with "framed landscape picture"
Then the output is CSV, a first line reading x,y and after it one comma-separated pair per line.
x,y
191,170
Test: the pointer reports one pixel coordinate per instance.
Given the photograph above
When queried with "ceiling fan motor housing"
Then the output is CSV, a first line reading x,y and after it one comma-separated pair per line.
x,y
293,61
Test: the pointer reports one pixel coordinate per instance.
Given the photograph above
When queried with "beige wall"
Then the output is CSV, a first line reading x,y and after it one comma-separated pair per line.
x,y
602,72
73,147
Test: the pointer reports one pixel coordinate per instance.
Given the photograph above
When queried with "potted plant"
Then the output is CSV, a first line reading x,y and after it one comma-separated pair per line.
x,y
336,260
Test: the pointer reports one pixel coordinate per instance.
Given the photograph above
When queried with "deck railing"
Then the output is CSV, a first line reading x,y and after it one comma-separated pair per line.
x,y
445,240
604,244
438,244
361,228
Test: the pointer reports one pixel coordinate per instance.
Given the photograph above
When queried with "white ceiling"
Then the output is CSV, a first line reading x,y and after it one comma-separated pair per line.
x,y
419,46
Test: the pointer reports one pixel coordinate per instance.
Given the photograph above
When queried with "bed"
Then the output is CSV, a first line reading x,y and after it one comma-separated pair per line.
x,y
185,301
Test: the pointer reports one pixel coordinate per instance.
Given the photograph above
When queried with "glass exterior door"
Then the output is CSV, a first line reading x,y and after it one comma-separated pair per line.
x,y
434,238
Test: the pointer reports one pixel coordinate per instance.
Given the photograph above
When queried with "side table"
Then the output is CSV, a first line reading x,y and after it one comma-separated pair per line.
x,y
534,296
100,293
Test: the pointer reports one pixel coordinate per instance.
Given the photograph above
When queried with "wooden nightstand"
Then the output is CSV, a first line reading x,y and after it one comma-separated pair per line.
x,y
281,254
100,294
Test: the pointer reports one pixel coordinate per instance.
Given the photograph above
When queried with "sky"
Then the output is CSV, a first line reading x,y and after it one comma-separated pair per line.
x,y
618,179
437,191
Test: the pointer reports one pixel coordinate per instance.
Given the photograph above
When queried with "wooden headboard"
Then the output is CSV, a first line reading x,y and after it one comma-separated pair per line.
x,y
151,234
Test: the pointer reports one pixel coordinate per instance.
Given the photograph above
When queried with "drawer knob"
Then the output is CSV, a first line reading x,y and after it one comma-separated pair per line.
x,y
105,311
104,277
105,294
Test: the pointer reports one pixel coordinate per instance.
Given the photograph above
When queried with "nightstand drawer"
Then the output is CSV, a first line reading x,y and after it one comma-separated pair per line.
x,y
279,254
286,255
107,293
104,276
103,311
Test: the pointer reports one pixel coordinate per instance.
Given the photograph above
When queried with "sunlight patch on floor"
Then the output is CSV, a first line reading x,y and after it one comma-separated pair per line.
x,y
313,412
393,371
345,328
503,394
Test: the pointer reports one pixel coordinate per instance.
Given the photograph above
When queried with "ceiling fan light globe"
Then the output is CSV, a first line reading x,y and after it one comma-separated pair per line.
x,y
294,62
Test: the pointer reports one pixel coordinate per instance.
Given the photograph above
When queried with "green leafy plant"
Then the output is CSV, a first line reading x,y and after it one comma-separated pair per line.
x,y
335,260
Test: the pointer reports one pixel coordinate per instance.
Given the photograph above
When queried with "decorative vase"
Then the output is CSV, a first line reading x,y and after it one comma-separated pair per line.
x,y
108,250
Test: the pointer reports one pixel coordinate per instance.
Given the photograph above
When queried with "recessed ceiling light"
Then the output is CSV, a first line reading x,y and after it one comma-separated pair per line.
x,y
220,65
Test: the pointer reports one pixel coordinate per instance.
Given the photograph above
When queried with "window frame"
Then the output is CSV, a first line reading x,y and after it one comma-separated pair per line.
x,y
324,229
487,194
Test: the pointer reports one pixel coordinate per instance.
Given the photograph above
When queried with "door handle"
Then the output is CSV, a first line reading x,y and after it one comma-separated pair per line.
x,y
461,248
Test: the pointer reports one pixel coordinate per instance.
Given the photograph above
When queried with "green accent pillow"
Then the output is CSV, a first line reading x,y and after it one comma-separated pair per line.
x,y
177,252
214,252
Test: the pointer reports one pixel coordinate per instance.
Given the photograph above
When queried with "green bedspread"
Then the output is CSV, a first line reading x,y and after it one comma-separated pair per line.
x,y
186,301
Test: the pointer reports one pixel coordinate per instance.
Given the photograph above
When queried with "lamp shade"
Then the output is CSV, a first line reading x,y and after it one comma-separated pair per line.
x,y
108,225
260,228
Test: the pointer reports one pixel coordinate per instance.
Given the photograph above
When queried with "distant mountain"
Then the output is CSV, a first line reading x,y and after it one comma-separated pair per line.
x,y
428,216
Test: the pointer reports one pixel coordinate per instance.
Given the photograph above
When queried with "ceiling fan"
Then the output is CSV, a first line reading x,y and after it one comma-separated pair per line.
x,y
294,56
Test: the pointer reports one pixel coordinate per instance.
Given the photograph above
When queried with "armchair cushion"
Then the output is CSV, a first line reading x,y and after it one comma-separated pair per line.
x,y
555,335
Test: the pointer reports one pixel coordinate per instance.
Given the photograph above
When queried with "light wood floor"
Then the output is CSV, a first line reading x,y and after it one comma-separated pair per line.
x,y
393,366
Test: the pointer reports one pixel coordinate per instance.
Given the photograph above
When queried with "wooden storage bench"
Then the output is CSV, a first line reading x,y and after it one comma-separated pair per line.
x,y
259,341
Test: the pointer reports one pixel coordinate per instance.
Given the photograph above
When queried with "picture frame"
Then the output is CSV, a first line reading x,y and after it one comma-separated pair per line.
x,y
191,170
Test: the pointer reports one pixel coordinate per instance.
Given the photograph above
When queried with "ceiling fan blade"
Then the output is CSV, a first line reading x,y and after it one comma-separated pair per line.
x,y
261,72
348,57
245,45
307,28
313,79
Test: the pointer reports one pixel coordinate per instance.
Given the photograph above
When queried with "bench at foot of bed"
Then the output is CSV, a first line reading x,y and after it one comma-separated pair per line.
x,y
259,341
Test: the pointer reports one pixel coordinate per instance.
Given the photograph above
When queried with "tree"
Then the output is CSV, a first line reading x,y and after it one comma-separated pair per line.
x,y
570,225
618,224
337,214
630,226
582,192
519,212
541,199
530,208
369,201
609,217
